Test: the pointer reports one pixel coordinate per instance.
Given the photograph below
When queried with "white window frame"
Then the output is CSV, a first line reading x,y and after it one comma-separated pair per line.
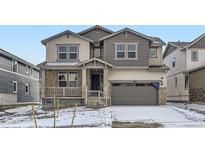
x,y
66,78
69,52
31,71
155,53
116,51
136,49
174,60
27,69
94,55
13,63
15,91
27,85
74,81
66,51
197,56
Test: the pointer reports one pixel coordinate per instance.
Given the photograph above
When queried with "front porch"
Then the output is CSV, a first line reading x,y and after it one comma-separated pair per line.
x,y
91,85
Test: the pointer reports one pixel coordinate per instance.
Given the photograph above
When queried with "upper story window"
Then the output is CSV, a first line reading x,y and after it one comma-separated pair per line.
x,y
27,69
131,50
14,66
62,52
126,50
68,52
120,51
194,56
173,62
175,81
153,53
31,71
62,79
96,53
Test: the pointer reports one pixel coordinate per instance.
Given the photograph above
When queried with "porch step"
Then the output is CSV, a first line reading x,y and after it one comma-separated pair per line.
x,y
93,102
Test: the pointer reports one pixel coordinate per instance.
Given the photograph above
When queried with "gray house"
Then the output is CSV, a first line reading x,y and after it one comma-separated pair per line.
x,y
99,66
19,80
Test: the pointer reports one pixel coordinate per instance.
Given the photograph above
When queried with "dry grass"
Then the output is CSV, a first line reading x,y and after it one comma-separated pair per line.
x,y
117,124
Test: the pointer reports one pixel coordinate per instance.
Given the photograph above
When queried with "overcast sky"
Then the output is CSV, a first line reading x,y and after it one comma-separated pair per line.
x,y
24,41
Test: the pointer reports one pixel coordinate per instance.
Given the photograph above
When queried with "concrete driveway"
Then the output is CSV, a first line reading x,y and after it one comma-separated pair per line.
x,y
167,115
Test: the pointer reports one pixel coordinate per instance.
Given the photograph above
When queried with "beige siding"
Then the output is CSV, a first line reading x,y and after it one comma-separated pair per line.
x,y
179,92
200,62
51,47
197,79
137,75
158,59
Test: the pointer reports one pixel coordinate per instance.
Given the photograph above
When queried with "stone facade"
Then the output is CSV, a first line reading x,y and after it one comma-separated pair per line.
x,y
162,96
51,78
8,99
197,95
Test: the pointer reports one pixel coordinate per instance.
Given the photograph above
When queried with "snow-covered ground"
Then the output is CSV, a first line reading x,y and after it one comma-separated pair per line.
x,y
22,117
167,116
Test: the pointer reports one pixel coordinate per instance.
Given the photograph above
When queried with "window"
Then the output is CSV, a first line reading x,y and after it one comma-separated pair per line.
x,y
62,79
27,69
31,71
120,51
14,86
62,52
186,81
153,52
97,53
194,55
27,88
132,50
173,62
73,52
15,66
73,79
175,81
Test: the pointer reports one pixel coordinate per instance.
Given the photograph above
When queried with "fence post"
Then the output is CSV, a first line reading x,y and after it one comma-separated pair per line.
x,y
72,122
34,116
54,109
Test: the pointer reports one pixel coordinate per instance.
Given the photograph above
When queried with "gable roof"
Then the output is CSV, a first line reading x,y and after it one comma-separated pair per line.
x,y
11,56
196,40
63,33
94,59
95,27
127,30
157,39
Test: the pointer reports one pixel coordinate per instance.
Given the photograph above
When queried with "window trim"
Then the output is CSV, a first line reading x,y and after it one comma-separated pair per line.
x,y
76,80
94,53
126,50
176,82
27,92
68,52
116,51
156,56
66,75
13,62
197,55
174,62
15,91
136,50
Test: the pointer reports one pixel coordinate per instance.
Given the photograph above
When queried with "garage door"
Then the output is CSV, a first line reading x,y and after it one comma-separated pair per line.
x,y
134,94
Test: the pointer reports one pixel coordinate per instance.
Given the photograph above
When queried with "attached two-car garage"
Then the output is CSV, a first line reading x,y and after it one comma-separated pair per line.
x,y
134,94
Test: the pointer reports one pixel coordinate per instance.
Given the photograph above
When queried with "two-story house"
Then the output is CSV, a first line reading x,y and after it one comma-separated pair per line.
x,y
185,77
19,80
99,66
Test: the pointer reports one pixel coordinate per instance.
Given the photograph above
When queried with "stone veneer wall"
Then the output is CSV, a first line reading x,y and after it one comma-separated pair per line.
x,y
197,95
51,79
162,96
6,99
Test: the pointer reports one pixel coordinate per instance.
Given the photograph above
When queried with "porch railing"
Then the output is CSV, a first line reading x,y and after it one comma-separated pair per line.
x,y
63,91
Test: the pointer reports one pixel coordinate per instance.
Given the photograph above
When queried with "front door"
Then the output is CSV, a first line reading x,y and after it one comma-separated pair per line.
x,y
95,82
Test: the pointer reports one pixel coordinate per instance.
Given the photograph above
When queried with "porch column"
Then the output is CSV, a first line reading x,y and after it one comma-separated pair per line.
x,y
105,82
84,85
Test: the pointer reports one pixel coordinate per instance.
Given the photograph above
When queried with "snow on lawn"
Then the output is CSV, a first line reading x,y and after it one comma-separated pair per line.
x,y
22,117
168,116
195,107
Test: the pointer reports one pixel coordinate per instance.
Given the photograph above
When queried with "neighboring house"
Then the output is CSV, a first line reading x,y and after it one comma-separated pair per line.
x,y
19,80
99,66
184,59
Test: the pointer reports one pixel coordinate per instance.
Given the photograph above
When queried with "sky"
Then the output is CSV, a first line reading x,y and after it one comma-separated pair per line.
x,y
25,41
